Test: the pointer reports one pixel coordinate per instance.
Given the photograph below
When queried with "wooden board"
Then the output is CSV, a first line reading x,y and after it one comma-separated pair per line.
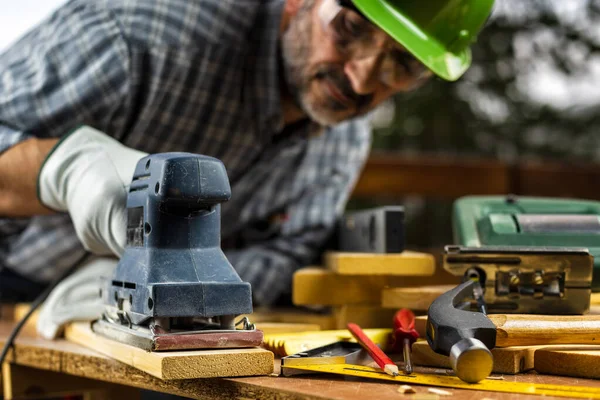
x,y
177,364
317,286
363,316
293,315
575,360
407,263
292,343
270,328
419,298
507,360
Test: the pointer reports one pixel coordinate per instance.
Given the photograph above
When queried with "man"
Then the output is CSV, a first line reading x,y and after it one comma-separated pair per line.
x,y
275,89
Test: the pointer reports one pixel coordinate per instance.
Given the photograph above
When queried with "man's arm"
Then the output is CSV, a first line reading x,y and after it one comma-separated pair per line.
x,y
70,70
19,168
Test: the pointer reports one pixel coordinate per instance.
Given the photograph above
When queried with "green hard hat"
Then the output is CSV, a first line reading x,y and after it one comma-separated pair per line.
x,y
437,32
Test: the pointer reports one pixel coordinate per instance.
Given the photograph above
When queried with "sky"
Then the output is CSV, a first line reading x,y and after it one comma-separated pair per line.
x,y
18,16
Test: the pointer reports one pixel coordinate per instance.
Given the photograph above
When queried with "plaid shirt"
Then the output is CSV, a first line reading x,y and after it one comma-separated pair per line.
x,y
179,75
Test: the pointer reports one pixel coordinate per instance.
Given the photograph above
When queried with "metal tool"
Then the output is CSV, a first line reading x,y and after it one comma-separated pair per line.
x,y
404,335
481,221
526,280
377,230
465,336
174,288
341,352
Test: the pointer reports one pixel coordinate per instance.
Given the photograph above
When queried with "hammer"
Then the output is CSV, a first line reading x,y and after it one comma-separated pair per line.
x,y
465,336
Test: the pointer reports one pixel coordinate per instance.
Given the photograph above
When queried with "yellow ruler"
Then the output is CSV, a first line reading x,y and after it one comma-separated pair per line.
x,y
487,385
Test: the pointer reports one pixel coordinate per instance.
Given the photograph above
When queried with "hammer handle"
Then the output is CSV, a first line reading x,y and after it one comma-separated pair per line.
x,y
532,330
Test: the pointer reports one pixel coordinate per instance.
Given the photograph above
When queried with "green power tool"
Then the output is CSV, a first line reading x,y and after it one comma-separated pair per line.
x,y
528,249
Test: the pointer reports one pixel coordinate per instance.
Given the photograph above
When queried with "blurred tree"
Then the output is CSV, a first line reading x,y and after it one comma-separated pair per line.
x,y
533,90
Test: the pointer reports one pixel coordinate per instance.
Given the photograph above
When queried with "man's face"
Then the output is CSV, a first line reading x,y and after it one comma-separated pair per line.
x,y
340,67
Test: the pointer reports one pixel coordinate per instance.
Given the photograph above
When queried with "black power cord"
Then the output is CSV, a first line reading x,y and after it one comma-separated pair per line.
x,y
36,303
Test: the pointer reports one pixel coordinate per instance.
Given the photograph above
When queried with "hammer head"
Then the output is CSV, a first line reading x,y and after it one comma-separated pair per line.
x,y
465,336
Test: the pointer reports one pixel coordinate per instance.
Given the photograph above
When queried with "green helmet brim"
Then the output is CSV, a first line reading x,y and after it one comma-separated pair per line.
x,y
439,38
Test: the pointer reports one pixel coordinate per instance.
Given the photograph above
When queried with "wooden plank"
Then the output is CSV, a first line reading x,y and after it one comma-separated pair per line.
x,y
507,360
317,286
31,383
407,263
292,343
575,360
293,315
363,316
540,179
418,298
177,364
391,175
270,328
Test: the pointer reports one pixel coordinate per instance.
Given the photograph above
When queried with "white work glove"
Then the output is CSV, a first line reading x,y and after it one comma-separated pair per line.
x,y
76,298
87,174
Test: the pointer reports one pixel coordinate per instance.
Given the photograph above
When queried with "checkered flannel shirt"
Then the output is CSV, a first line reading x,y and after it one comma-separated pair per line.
x,y
178,75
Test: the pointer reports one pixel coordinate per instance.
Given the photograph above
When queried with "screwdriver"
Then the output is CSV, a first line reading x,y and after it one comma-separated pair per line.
x,y
405,335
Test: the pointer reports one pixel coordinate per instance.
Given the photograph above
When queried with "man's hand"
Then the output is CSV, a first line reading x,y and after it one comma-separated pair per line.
x,y
87,174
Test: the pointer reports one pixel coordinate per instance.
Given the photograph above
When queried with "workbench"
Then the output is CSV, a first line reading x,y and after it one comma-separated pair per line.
x,y
40,367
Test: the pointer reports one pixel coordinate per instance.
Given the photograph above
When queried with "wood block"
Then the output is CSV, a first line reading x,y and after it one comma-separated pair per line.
x,y
177,364
575,360
317,286
407,263
292,343
419,298
325,321
270,328
363,316
507,360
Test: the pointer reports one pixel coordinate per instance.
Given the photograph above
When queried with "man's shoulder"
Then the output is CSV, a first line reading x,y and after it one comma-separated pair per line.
x,y
187,24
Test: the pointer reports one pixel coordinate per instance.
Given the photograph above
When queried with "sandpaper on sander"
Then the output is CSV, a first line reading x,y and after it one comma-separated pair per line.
x,y
174,288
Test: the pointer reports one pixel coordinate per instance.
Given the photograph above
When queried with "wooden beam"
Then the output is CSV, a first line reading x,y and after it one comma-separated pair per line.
x,y
407,263
363,316
577,361
317,286
177,364
418,298
557,180
393,175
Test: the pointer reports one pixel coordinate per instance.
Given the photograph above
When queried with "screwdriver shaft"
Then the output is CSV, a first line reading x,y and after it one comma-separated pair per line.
x,y
408,368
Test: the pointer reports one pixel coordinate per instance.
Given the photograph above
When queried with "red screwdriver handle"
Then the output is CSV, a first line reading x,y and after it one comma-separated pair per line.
x,y
404,329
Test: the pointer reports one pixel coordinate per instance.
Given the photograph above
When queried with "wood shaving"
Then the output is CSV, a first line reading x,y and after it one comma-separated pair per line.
x,y
495,378
439,392
405,389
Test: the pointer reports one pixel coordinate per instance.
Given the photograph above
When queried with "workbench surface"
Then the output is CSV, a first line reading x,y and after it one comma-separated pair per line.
x,y
70,360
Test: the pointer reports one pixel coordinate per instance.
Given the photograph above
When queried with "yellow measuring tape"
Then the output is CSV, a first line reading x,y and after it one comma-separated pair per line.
x,y
581,392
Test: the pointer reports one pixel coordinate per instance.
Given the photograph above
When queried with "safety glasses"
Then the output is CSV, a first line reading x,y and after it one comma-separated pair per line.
x,y
356,38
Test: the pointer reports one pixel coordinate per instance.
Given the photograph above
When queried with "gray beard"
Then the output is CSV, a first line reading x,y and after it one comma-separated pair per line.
x,y
295,50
